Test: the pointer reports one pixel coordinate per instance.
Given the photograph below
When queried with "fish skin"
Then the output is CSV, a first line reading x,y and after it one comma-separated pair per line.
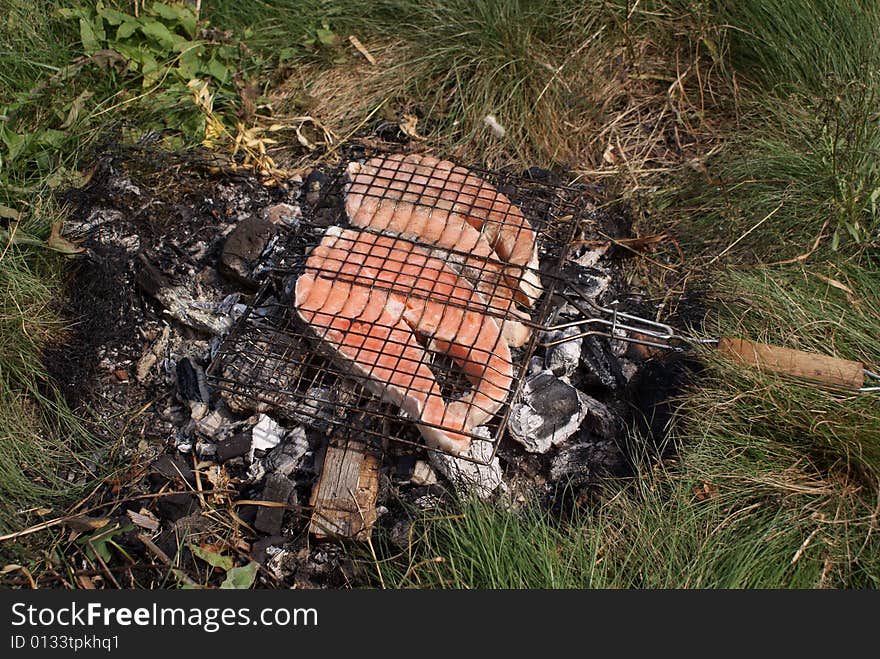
x,y
350,275
440,184
447,231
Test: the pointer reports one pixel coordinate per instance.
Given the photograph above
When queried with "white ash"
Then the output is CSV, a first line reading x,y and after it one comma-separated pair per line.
x,y
183,442
287,457
256,472
536,365
593,286
471,477
266,434
96,218
549,412
428,502
124,185
423,474
206,421
206,450
628,368
563,359
282,562
201,315
591,257
618,347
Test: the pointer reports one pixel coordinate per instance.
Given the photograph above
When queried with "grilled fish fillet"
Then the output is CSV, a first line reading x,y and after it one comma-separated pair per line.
x,y
443,186
364,289
378,346
449,231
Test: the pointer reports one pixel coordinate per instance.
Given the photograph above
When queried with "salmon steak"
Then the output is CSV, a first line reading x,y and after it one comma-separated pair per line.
x,y
458,243
384,192
376,301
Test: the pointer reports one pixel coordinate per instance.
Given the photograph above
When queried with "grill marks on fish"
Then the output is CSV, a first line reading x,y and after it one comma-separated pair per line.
x,y
369,296
384,184
462,246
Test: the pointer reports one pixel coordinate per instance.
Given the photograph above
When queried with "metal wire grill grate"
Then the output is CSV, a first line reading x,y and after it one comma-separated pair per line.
x,y
406,304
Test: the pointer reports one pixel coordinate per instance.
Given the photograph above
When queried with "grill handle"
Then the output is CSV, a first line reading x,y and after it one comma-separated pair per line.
x,y
808,365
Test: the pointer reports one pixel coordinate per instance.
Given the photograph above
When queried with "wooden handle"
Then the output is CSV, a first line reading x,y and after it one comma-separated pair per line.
x,y
809,365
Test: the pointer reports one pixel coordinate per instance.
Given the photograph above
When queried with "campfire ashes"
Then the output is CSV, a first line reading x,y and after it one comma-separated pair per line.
x,y
175,255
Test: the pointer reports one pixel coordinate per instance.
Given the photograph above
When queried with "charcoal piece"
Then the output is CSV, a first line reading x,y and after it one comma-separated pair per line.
x,y
603,369
258,548
191,382
315,186
563,358
549,412
177,506
236,446
541,175
278,489
423,475
287,457
401,533
192,523
149,278
404,466
170,469
582,463
590,282
283,214
243,248
471,478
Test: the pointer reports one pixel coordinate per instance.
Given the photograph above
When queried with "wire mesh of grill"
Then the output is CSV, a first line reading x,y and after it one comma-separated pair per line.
x,y
406,305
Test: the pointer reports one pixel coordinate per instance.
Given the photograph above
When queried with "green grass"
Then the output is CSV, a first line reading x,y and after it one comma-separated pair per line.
x,y
807,138
41,442
789,530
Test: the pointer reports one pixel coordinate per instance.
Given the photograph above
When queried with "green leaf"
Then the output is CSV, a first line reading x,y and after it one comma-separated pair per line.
x,y
126,29
69,12
89,36
132,54
288,53
20,238
51,138
219,70
241,578
875,195
189,64
853,229
14,143
213,559
150,68
157,31
96,543
181,15
8,213
326,37
114,17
